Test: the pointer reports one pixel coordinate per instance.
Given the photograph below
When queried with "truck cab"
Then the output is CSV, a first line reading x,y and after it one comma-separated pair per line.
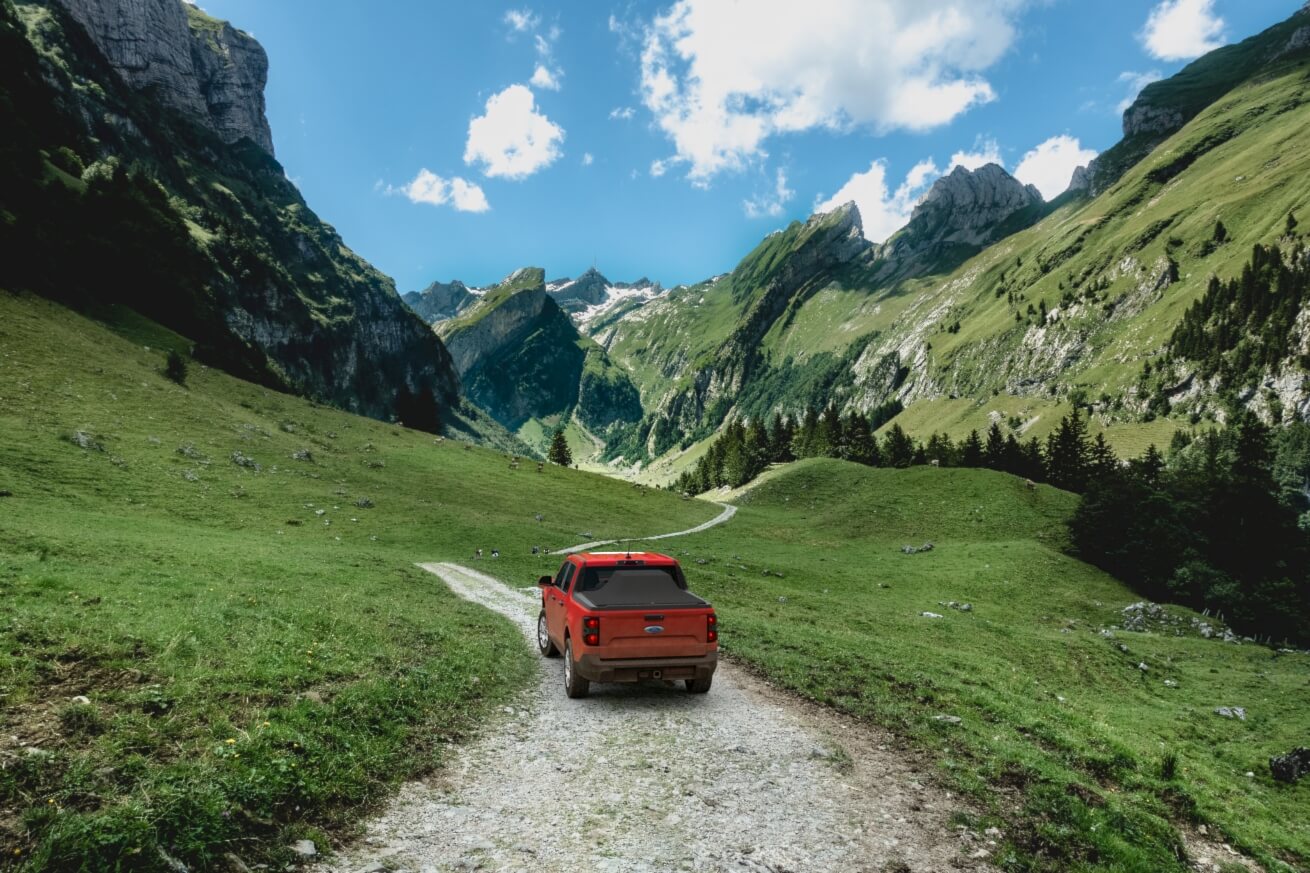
x,y
626,617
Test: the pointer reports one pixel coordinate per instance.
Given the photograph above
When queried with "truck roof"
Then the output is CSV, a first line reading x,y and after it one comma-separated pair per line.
x,y
602,559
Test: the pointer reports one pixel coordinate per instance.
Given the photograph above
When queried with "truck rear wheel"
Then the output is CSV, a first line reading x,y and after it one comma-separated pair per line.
x,y
544,644
699,686
575,686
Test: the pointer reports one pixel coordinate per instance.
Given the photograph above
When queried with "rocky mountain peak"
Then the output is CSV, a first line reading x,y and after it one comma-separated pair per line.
x,y
988,193
962,212
199,66
441,300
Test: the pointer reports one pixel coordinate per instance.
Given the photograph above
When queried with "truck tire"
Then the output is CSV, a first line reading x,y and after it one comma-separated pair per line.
x,y
699,686
544,643
575,686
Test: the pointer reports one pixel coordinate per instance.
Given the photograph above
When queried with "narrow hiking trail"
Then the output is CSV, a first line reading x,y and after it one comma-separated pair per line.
x,y
728,512
651,778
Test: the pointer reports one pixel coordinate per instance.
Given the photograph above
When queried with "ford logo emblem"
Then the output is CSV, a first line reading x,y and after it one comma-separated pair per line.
x,y
654,629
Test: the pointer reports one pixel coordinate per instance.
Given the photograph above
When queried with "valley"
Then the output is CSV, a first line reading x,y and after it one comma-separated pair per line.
x,y
1003,514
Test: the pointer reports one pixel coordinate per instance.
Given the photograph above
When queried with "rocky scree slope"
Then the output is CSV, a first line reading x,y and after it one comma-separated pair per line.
x,y
521,358
138,171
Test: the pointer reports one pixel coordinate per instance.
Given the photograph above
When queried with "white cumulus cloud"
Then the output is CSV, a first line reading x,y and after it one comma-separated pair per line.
x,y
1050,165
588,159
883,210
770,203
522,20
1135,82
512,139
1177,30
544,78
428,187
985,152
621,113
721,78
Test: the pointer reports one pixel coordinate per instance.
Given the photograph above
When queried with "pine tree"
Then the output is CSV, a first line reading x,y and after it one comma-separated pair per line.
x,y
1013,458
994,449
862,447
757,449
1032,461
898,448
971,450
780,440
941,449
559,450
1220,233
1149,466
1291,224
1101,458
1068,453
831,441
736,463
805,444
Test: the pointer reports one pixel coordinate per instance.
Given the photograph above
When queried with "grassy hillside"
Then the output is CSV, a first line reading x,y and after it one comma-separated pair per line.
x,y
1061,734
1066,312
226,574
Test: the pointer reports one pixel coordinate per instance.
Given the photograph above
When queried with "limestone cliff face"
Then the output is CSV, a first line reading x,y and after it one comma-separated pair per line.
x,y
502,319
440,301
163,106
203,68
964,211
519,356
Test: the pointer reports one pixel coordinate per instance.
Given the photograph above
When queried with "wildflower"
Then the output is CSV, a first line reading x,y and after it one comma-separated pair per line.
x,y
230,741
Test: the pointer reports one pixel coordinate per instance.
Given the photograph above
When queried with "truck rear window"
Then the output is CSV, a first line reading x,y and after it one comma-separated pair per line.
x,y
631,578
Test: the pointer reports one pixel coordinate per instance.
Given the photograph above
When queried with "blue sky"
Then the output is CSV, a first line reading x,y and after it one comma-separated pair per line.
x,y
463,140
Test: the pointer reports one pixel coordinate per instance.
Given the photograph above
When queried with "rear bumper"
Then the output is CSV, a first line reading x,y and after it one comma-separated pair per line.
x,y
598,669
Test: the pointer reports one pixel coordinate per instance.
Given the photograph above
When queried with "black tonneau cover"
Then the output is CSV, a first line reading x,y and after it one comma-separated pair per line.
x,y
639,588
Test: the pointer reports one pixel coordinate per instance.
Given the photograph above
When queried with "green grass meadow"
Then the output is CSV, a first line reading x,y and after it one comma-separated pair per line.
x,y
1062,737
261,657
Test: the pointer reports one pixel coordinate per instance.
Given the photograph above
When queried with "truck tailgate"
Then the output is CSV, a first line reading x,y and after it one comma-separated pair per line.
x,y
658,634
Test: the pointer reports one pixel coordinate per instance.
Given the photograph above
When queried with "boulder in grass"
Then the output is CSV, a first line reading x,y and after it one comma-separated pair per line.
x,y
1292,766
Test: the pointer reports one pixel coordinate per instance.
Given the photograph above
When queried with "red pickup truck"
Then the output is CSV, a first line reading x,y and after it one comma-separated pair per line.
x,y
625,617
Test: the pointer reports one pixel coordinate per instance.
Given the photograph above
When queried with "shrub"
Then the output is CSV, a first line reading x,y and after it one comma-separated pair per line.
x,y
175,368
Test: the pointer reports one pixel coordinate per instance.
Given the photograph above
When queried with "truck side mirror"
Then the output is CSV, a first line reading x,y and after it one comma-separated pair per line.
x,y
547,581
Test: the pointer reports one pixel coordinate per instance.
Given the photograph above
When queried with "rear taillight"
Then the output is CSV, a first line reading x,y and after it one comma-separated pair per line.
x,y
591,630
712,628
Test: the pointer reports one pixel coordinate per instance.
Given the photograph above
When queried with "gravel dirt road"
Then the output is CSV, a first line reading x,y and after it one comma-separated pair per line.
x,y
651,778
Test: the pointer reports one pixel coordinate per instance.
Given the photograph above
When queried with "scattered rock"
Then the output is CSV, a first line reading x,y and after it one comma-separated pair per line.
x,y
304,848
1170,683
84,440
1237,712
947,719
303,455
82,700
929,615
241,459
364,503
780,599
1141,665
1292,766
